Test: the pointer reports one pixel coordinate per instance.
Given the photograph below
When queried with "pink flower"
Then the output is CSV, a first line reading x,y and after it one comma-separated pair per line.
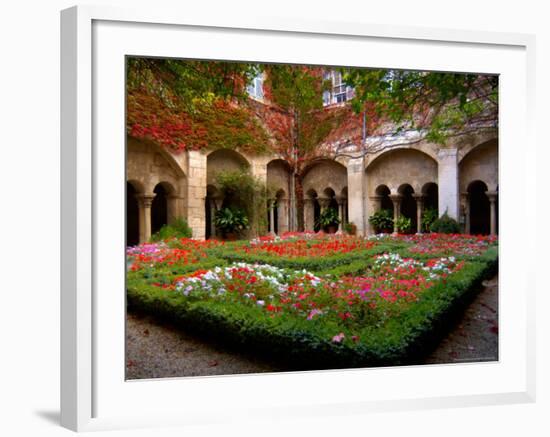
x,y
338,338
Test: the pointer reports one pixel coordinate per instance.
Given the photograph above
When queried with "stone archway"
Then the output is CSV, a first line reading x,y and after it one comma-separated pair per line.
x,y
408,205
132,215
161,206
312,211
478,176
394,170
479,208
278,206
218,161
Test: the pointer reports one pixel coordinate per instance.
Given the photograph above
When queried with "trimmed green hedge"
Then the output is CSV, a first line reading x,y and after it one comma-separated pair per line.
x,y
316,264
404,339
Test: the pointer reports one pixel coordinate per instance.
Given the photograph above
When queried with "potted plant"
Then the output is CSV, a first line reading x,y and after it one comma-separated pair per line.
x,y
231,221
382,221
428,217
350,228
328,220
403,224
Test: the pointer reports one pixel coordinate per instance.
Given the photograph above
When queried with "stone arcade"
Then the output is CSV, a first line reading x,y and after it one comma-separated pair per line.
x,y
460,178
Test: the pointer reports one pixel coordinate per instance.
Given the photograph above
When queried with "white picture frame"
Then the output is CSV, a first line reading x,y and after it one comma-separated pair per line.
x,y
93,39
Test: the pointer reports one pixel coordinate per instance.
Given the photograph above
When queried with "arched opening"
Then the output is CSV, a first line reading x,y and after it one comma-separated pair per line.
x,y
496,212
211,203
345,213
479,208
431,196
159,208
329,210
408,205
385,202
312,211
132,216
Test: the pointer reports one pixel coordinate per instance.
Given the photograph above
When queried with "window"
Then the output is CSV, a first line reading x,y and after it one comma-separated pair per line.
x,y
256,88
339,92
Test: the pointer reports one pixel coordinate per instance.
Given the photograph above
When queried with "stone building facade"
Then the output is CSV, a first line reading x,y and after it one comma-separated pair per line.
x,y
460,178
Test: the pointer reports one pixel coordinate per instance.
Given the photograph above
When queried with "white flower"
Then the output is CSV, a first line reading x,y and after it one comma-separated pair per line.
x,y
260,302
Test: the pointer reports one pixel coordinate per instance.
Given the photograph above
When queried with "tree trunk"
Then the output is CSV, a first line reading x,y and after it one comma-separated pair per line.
x,y
299,194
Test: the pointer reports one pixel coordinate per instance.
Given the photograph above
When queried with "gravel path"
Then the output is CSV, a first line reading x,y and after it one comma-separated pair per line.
x,y
156,350
475,337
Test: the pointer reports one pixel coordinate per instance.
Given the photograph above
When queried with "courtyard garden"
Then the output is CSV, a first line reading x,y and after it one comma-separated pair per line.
x,y
314,300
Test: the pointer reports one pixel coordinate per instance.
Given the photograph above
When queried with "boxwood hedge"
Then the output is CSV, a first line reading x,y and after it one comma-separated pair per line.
x,y
405,339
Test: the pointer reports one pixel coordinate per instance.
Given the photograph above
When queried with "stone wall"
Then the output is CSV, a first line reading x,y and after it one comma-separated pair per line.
x,y
326,174
188,174
480,164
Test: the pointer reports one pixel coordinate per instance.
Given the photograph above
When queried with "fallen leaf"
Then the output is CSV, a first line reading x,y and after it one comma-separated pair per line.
x,y
146,332
212,363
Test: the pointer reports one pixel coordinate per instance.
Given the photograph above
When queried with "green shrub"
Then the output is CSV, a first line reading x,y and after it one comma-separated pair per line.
x,y
403,224
231,220
244,191
404,339
428,217
178,229
382,221
445,225
350,228
329,217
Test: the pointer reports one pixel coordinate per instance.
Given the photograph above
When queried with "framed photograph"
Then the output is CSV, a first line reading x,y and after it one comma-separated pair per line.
x,y
291,218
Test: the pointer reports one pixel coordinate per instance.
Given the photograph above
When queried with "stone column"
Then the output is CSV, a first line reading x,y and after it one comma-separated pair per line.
x,y
144,204
419,210
346,212
308,214
196,193
340,201
272,216
282,215
173,207
357,205
215,205
492,195
465,197
448,182
396,199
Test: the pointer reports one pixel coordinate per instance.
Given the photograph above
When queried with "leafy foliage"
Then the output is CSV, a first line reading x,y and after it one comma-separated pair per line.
x,y
191,105
246,192
350,228
382,220
329,217
440,104
178,229
403,224
231,220
428,217
445,225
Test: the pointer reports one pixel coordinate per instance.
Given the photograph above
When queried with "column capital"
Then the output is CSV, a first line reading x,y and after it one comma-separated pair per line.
x,y
492,195
324,201
340,200
145,200
396,197
375,197
419,196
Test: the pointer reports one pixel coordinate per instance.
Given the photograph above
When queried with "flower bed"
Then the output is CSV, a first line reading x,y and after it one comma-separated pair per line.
x,y
371,303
